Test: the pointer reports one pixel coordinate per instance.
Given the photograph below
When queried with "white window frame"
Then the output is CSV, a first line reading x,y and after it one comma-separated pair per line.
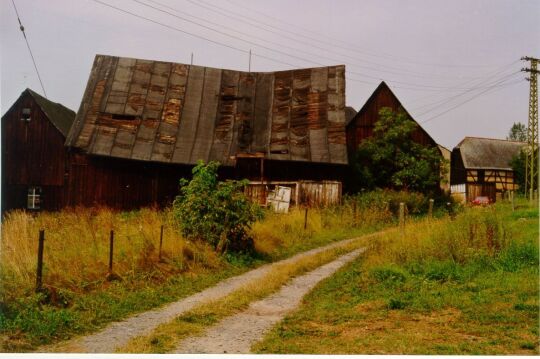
x,y
33,199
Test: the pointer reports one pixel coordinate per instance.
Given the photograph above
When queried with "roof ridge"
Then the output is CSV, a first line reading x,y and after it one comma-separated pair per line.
x,y
491,139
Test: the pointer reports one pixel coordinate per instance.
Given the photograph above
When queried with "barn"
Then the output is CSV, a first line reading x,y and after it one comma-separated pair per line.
x,y
34,159
142,125
361,125
481,167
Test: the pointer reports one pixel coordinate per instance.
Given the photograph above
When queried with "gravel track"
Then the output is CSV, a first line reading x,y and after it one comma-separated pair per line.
x,y
118,334
237,333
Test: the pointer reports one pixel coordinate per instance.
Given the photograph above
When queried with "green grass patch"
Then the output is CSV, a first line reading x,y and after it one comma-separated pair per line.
x,y
471,291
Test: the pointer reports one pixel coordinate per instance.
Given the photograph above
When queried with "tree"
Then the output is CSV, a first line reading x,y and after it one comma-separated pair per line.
x,y
518,132
215,211
391,159
518,166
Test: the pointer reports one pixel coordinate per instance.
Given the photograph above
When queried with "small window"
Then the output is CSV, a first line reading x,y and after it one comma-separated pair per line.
x,y
25,115
34,198
123,117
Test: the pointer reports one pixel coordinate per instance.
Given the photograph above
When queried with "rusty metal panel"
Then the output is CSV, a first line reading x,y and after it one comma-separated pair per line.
x,y
262,113
225,118
178,113
207,117
190,115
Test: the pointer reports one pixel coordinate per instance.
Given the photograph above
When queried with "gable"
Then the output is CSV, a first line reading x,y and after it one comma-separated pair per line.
x,y
177,113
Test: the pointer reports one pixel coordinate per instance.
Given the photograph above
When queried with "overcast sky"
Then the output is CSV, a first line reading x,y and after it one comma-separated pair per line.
x,y
453,64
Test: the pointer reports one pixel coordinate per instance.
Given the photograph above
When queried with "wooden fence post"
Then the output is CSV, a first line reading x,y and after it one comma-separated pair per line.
x,y
111,246
430,210
39,272
305,219
512,200
402,216
160,241
355,217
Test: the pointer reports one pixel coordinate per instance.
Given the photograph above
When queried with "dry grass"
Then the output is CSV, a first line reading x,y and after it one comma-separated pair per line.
x,y
77,247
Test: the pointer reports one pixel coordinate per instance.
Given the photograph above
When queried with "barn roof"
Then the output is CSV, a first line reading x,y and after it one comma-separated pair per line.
x,y
60,116
350,112
488,153
176,113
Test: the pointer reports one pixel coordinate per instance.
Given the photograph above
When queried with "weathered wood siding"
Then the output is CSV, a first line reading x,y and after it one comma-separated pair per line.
x,y
362,125
32,155
303,193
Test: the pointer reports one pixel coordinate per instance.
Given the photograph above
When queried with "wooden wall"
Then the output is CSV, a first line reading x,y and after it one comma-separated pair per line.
x,y
362,125
33,154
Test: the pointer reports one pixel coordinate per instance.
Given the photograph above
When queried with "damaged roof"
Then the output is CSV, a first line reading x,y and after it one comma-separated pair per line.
x,y
177,113
488,153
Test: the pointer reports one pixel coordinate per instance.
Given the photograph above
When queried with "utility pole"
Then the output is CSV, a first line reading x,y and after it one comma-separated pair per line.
x,y
531,166
249,65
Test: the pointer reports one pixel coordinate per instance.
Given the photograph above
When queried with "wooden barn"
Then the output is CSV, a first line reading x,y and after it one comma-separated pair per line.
x,y
142,125
481,167
34,160
361,125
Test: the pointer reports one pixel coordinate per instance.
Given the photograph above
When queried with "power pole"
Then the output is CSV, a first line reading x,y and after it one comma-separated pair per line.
x,y
531,166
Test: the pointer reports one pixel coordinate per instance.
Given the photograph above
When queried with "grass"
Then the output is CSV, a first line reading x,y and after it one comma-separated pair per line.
x,y
79,299
166,336
468,286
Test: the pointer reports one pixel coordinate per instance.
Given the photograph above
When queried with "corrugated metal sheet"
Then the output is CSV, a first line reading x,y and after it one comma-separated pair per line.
x,y
175,113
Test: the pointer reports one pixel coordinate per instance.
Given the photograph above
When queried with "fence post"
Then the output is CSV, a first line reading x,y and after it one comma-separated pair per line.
x,y
512,200
430,210
160,241
305,219
402,216
355,217
111,246
39,272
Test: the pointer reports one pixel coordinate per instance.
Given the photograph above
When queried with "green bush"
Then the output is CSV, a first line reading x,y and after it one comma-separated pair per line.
x,y
215,211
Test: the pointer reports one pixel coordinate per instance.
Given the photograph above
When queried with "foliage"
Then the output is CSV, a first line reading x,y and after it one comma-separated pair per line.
x,y
215,211
518,132
392,159
518,166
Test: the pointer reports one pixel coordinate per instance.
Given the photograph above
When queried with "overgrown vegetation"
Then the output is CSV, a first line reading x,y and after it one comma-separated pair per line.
x,y
392,159
468,286
78,298
215,211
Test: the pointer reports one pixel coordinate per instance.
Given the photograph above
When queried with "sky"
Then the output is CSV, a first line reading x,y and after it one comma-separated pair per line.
x,y
454,65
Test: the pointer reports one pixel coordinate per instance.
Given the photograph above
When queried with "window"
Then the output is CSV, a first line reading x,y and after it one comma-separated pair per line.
x,y
25,115
34,198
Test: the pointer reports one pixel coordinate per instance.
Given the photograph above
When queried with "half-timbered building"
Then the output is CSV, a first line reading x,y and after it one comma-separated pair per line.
x,y
481,167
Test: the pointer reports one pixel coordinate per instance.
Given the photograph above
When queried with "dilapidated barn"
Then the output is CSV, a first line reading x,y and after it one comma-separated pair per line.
x,y
481,167
142,125
34,159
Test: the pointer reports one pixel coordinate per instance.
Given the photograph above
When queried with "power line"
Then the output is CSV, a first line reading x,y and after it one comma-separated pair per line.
x,y
319,35
191,34
495,83
21,27
308,60
470,99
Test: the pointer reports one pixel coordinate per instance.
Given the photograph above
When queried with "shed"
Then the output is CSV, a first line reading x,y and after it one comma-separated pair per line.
x,y
481,167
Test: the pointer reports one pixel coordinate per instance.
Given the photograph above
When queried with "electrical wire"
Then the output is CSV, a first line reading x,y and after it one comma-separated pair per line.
x,y
21,27
333,43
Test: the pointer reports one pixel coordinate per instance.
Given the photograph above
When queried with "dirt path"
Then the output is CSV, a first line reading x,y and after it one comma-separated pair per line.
x,y
118,334
237,333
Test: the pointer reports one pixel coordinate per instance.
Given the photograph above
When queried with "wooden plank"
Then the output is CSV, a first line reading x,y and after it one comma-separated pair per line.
x,y
190,115
279,144
226,115
318,142
84,127
207,117
263,112
244,125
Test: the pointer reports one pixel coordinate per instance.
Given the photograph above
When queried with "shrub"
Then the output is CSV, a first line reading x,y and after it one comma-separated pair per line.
x,y
215,211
